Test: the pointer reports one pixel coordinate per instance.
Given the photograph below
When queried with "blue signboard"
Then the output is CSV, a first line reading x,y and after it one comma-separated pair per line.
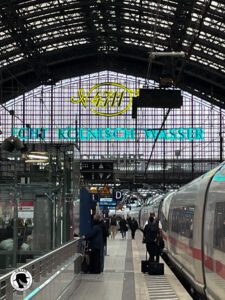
x,y
107,202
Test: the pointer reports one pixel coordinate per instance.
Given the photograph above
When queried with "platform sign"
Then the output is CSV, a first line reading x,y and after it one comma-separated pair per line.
x,y
26,209
118,195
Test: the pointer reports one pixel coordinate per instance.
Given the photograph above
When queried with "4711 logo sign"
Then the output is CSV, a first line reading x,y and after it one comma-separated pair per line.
x,y
107,99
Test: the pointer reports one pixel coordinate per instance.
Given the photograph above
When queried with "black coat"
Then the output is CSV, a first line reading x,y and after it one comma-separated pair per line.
x,y
123,225
95,236
151,232
133,225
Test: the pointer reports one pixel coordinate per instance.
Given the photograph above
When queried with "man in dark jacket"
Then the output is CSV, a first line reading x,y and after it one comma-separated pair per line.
x,y
133,227
123,227
151,233
95,236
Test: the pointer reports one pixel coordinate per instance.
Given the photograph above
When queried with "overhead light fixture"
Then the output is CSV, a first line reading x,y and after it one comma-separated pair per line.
x,y
36,161
36,157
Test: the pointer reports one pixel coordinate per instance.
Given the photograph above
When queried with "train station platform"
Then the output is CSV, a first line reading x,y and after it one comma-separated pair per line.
x,y
122,277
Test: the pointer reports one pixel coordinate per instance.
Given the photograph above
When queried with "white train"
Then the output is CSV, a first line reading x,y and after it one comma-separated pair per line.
x,y
193,226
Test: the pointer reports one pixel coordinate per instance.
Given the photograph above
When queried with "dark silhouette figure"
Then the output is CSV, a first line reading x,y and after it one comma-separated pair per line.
x,y
95,236
123,227
133,227
151,234
21,277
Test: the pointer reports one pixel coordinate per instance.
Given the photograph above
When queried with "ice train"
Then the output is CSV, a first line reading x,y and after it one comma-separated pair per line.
x,y
193,227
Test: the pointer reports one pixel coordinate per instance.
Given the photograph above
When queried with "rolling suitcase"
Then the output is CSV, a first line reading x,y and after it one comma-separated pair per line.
x,y
85,265
145,265
156,268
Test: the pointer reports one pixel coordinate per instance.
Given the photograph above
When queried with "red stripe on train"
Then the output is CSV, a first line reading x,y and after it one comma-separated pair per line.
x,y
210,263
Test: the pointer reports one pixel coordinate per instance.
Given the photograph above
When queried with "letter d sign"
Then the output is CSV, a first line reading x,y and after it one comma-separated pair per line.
x,y
118,195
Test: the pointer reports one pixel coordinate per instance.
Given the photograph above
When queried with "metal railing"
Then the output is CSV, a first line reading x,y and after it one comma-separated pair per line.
x,y
39,268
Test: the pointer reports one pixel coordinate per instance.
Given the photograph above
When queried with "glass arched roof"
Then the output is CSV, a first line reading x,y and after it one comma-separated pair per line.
x,y
43,41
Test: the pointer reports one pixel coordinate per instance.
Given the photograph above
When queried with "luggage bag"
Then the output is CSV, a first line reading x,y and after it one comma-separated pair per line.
x,y
87,252
145,265
156,268
152,268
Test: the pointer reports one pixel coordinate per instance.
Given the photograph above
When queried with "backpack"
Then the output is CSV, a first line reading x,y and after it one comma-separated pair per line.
x,y
151,232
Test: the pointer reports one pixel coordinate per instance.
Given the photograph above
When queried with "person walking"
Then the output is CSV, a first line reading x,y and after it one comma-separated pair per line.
x,y
123,227
105,222
129,220
113,227
133,227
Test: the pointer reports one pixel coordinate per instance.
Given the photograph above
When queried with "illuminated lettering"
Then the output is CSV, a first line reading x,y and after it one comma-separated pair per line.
x,y
106,99
71,131
82,136
34,133
61,134
42,133
110,134
181,134
14,131
23,133
199,134
172,132
130,134
163,135
26,133
116,134
92,134
150,133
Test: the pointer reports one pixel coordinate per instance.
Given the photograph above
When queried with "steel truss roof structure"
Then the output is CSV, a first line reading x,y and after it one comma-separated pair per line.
x,y
43,41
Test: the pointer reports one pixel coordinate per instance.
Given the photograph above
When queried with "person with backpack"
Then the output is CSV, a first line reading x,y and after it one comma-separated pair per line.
x,y
151,234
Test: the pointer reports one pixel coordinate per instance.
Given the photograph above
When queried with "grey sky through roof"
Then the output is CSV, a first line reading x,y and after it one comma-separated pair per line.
x,y
42,42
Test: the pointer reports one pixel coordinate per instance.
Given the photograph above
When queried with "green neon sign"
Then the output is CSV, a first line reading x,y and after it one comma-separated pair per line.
x,y
109,134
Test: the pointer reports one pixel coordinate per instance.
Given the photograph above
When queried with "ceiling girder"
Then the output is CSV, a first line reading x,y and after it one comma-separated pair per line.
x,y
24,40
182,19
119,28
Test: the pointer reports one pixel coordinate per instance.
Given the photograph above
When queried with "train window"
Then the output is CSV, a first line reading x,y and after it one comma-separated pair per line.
x,y
182,221
219,226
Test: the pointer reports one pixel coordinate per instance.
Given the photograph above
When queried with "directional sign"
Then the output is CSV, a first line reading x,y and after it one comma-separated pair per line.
x,y
101,171
96,166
